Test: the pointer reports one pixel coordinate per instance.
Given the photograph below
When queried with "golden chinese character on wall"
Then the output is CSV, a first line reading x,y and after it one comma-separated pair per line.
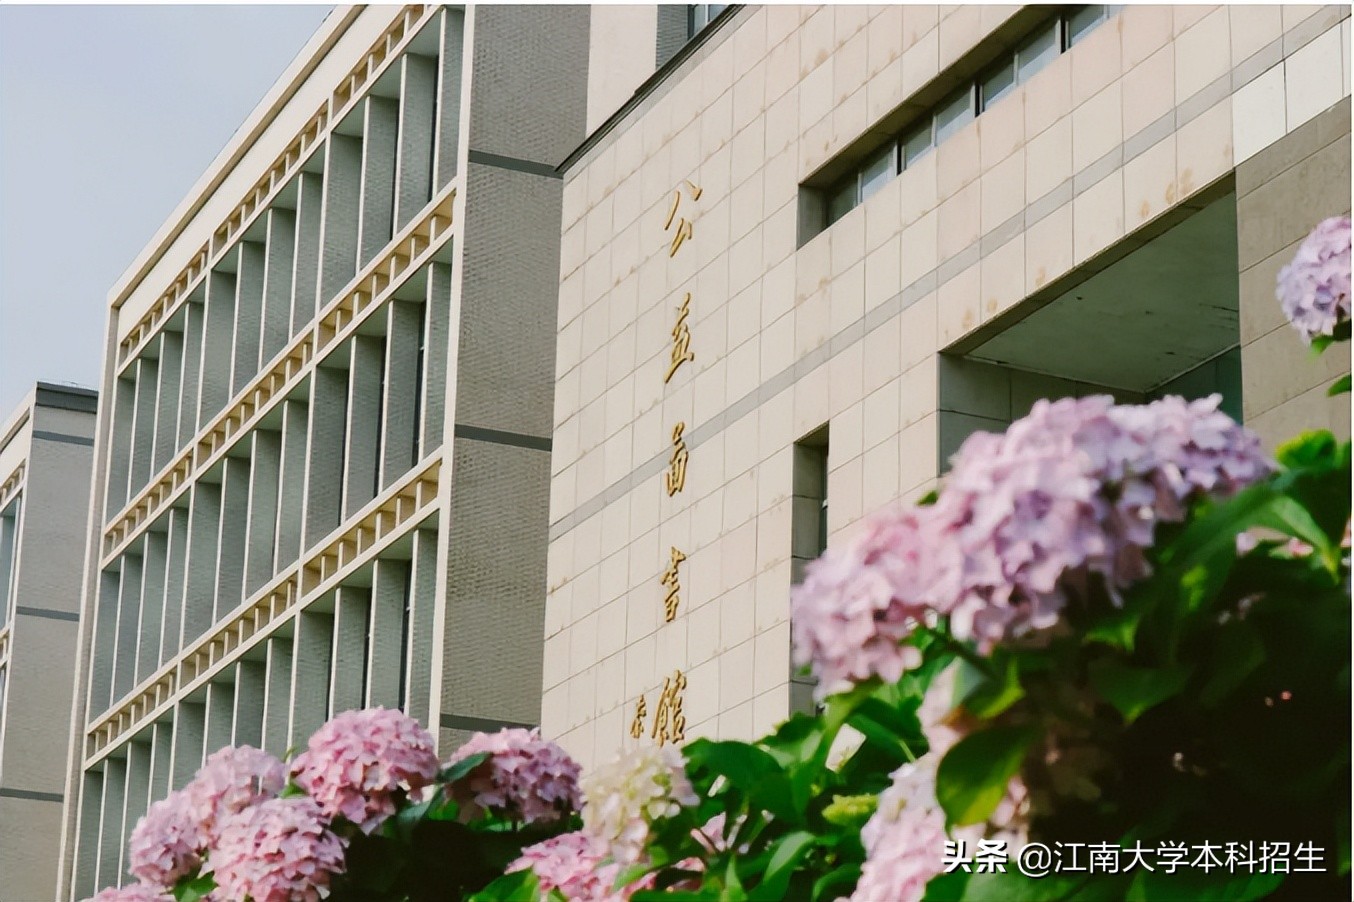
x,y
681,339
669,723
683,224
673,583
637,725
674,480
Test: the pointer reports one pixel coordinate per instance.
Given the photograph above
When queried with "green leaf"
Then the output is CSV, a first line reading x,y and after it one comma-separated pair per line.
x,y
785,856
837,882
1237,653
1340,386
194,889
733,887
1134,690
1312,448
519,886
629,875
750,770
989,697
1118,628
973,775
459,769
1288,516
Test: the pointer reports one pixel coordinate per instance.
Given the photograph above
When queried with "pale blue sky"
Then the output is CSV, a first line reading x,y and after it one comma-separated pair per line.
x,y
108,116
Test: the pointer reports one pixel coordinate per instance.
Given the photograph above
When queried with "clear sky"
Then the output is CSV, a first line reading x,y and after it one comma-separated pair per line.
x,y
108,116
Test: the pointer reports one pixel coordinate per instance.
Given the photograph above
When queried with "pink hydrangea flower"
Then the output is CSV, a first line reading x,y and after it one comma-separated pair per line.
x,y
860,599
233,779
359,763
1314,289
132,892
577,864
526,778
167,842
279,850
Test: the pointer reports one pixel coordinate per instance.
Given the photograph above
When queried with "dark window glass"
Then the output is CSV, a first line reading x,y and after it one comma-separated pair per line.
x,y
877,171
841,199
998,83
1081,22
1037,52
699,15
917,143
954,114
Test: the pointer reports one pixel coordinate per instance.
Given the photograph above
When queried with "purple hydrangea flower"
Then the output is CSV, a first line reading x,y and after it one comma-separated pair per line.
x,y
1314,289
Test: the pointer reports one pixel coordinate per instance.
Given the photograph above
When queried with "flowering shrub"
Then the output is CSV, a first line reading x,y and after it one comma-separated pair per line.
x,y
167,843
1314,287
231,780
277,851
524,778
1113,625
360,764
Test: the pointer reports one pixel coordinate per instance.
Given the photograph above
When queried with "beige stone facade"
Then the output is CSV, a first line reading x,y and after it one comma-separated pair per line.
x,y
1102,226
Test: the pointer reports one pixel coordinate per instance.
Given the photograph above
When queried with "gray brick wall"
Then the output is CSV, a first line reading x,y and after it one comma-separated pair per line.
x,y
529,94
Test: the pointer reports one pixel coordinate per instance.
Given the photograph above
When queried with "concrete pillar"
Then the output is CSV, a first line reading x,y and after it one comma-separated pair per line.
x,y
176,568
306,256
348,675
250,691
109,870
381,117
291,489
342,198
189,725
400,404
264,474
364,422
129,614
200,590
248,314
194,320
232,534
311,658
217,342
385,663
167,403
152,604
419,632
143,427
220,723
449,95
277,696
324,475
418,107
435,350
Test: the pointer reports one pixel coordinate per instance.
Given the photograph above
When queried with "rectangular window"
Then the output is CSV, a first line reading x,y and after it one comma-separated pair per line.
x,y
1081,22
998,83
878,170
917,143
700,15
808,532
955,113
841,199
930,127
1037,53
